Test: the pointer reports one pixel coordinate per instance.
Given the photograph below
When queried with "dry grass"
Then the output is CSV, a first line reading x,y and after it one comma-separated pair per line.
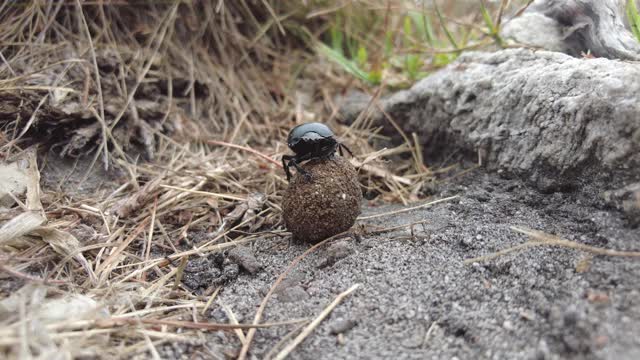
x,y
181,109
540,238
187,108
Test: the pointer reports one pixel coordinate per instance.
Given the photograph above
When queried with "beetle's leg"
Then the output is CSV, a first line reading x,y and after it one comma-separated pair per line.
x,y
286,165
341,145
295,162
300,170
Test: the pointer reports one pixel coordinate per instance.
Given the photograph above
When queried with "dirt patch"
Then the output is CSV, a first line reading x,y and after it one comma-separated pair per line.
x,y
418,299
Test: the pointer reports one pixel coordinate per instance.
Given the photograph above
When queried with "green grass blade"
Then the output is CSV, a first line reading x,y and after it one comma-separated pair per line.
x,y
444,27
487,18
362,56
337,35
406,26
412,64
352,47
423,26
346,64
634,18
493,30
388,44
337,38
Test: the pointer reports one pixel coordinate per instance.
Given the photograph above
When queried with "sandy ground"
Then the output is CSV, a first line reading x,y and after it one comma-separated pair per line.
x,y
418,300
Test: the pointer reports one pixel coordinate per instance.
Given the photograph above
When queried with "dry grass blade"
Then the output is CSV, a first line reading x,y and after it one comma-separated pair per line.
x,y
244,148
540,238
135,201
9,335
395,212
284,340
233,320
26,277
101,117
206,193
34,193
104,270
309,328
385,174
193,325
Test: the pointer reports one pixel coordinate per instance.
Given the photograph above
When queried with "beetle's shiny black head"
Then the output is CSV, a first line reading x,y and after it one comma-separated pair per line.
x,y
312,139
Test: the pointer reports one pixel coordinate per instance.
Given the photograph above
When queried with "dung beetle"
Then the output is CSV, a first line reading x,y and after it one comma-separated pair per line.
x,y
310,141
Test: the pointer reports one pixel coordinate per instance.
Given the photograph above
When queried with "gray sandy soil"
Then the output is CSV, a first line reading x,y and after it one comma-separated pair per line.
x,y
418,300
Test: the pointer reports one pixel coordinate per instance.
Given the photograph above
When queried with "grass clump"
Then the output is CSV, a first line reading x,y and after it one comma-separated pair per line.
x,y
150,135
396,43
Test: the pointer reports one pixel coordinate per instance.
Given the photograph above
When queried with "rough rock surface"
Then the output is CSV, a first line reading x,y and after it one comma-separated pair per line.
x,y
576,27
556,120
327,204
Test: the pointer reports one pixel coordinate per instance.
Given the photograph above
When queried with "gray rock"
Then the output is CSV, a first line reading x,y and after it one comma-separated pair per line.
x,y
336,251
293,294
243,256
548,117
575,27
626,199
341,326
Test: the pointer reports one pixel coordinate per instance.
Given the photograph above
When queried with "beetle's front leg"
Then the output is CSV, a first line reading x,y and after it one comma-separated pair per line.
x,y
299,169
286,165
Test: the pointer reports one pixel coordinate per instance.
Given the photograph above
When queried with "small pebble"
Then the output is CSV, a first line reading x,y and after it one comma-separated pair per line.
x,y
293,294
342,326
508,325
243,256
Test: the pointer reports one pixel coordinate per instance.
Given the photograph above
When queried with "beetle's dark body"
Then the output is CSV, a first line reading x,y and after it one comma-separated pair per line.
x,y
310,141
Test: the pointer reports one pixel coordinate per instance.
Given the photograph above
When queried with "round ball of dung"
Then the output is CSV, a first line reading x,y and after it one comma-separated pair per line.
x,y
325,205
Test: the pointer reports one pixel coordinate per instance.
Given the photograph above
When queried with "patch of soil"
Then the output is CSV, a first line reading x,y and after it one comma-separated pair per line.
x,y
419,300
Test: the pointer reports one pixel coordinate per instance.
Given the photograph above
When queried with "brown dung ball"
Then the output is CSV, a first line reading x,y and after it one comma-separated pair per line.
x,y
324,206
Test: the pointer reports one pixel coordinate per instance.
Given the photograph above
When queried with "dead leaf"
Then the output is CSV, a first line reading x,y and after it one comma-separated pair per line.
x,y
246,210
65,244
70,307
20,225
13,180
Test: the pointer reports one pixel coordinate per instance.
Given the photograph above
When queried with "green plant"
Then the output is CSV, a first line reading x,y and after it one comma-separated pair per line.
x,y
448,33
336,36
402,46
494,31
350,66
634,18
412,61
423,26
